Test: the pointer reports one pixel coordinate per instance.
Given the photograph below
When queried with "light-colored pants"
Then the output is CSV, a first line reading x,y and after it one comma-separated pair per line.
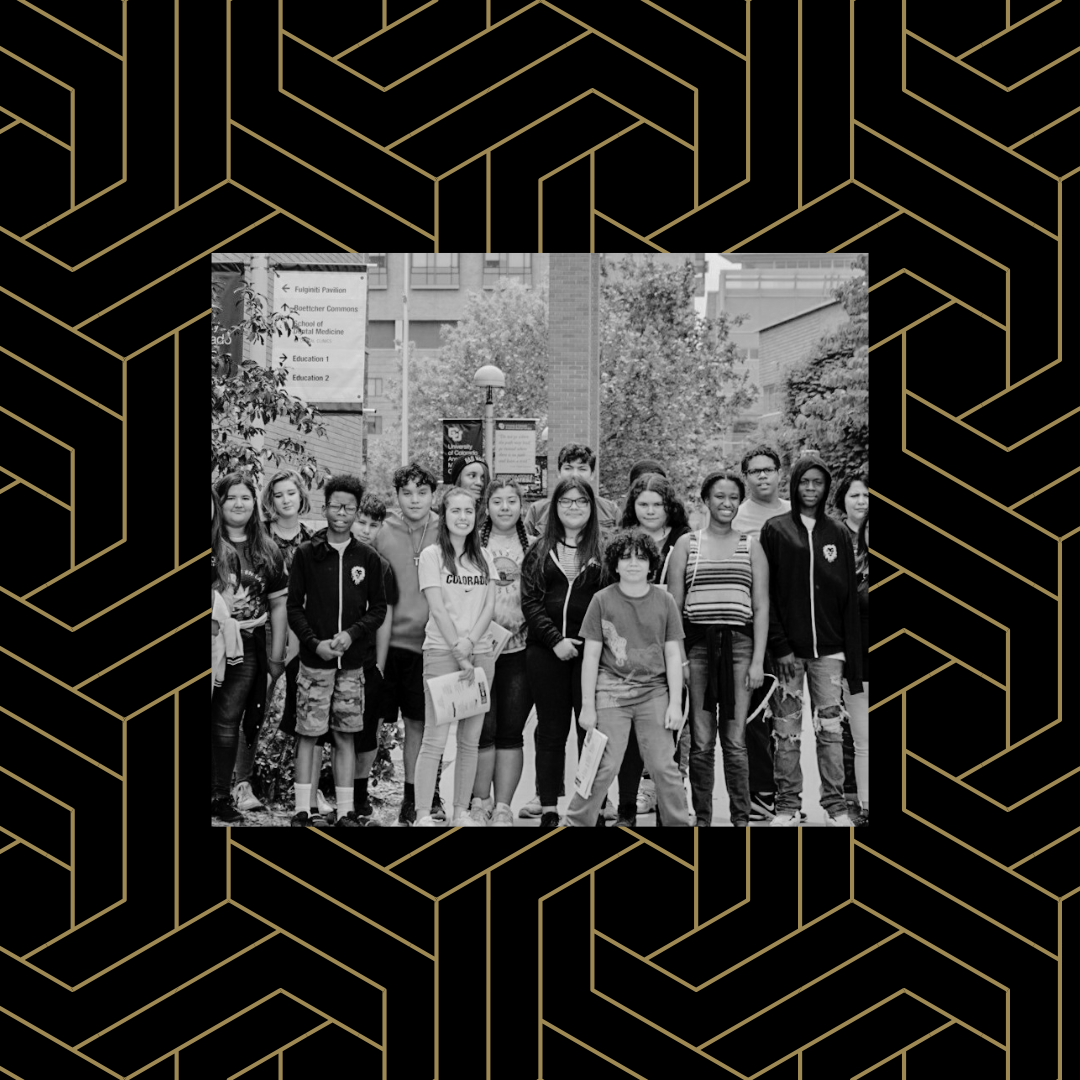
x,y
435,736
858,709
657,749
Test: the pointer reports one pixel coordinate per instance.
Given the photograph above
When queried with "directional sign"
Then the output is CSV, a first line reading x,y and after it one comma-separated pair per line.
x,y
331,309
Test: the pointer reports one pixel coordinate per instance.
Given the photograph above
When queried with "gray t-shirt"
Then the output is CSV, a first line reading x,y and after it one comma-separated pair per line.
x,y
633,630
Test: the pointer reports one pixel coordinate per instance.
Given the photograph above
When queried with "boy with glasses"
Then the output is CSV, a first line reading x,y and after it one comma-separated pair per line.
x,y
814,629
336,606
761,467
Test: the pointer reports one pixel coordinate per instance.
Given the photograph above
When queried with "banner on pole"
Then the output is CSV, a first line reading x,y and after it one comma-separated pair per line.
x,y
462,438
331,309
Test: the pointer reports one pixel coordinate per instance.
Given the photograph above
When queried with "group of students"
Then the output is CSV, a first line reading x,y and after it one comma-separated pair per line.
x,y
612,613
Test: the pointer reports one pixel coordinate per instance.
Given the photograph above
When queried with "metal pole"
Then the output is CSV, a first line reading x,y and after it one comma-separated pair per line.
x,y
489,432
405,363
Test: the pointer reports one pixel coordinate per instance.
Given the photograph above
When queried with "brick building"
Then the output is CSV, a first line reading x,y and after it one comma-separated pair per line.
x,y
438,286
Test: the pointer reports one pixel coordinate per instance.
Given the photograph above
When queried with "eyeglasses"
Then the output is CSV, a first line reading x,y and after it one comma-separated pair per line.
x,y
579,504
761,472
341,508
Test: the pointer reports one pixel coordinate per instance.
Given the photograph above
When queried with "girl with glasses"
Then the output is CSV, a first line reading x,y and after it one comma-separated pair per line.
x,y
560,575
251,563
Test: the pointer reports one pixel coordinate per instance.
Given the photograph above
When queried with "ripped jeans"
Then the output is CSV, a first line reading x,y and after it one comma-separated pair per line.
x,y
824,677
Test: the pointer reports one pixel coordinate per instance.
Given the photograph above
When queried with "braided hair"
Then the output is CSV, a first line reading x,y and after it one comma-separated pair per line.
x,y
485,528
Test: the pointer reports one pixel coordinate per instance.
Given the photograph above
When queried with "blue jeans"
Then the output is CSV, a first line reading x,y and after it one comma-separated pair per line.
x,y
732,735
226,711
654,740
824,677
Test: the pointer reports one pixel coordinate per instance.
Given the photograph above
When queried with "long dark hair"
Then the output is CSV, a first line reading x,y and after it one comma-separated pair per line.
x,y
485,529
223,561
472,552
844,487
673,507
590,544
263,553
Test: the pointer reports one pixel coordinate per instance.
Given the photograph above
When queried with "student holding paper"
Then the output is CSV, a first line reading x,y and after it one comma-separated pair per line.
x,y
502,754
456,579
631,676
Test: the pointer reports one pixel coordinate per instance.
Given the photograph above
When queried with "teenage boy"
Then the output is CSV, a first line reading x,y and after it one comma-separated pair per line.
x,y
631,674
814,629
761,467
574,461
336,606
400,541
369,520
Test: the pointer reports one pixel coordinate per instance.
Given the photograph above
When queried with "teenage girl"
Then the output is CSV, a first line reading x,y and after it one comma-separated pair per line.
x,y
561,574
256,571
719,579
455,576
501,745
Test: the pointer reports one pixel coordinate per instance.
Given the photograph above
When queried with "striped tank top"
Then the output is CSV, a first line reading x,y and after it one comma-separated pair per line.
x,y
718,590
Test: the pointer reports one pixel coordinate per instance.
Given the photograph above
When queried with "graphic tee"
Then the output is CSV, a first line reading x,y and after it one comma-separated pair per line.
x,y
253,590
463,593
633,630
507,556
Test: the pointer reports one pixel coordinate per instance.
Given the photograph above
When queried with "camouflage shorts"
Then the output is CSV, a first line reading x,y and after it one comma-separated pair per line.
x,y
329,698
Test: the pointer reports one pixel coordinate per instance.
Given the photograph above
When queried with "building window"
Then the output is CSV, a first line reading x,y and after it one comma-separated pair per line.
x,y
376,269
434,270
425,335
380,333
503,264
374,388
373,425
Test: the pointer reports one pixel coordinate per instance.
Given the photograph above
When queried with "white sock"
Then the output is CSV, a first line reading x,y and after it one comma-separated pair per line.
x,y
303,796
344,800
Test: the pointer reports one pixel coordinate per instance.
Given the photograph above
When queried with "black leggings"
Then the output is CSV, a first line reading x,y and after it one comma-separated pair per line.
x,y
556,686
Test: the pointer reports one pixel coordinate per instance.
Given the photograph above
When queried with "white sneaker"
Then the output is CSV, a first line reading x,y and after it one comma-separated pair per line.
x,y
841,820
427,822
325,806
610,812
646,799
783,820
466,820
489,806
244,797
531,809
503,817
477,811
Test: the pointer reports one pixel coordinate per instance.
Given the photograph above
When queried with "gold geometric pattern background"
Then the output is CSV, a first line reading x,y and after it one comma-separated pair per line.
x,y
138,138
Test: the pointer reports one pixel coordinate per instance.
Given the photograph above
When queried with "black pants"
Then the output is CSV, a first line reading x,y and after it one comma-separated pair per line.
x,y
556,687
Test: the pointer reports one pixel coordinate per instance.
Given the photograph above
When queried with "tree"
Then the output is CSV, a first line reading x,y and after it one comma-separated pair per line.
x,y
243,402
505,326
827,394
670,385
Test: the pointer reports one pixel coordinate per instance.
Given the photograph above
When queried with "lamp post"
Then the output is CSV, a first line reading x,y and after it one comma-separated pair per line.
x,y
489,376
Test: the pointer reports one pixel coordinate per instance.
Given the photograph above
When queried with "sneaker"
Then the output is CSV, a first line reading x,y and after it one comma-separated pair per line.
x,y
502,817
489,806
467,821
783,820
348,821
477,811
624,821
437,810
841,820
609,813
325,807
426,822
364,807
224,810
646,799
300,820
531,809
321,821
407,814
245,798
550,820
762,806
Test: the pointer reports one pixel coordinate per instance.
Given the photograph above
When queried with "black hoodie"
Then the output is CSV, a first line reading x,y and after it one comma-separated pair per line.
x,y
328,594
813,593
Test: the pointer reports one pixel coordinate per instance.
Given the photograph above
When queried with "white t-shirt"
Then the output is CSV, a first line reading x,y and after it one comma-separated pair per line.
x,y
463,594
752,515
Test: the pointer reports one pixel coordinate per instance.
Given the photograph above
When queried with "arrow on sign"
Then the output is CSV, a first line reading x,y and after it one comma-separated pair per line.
x,y
285,288
283,358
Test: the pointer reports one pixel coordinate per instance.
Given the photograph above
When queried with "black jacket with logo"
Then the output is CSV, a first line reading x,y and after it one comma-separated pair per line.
x,y
813,592
328,594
